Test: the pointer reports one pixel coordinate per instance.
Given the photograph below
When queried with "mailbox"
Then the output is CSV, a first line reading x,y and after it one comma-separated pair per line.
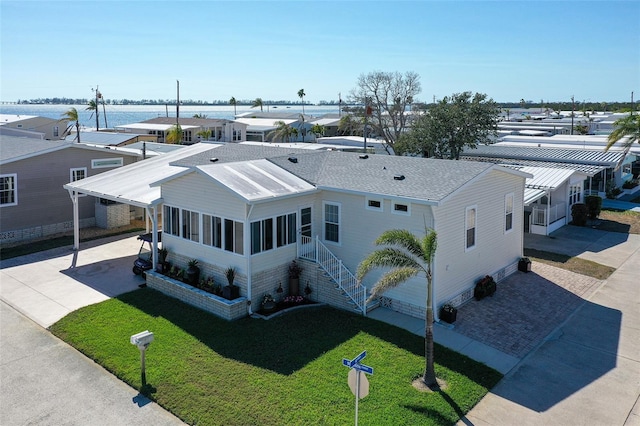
x,y
142,339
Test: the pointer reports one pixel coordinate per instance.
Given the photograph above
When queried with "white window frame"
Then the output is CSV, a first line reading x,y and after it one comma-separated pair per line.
x,y
575,194
190,220
56,131
401,212
111,163
72,171
14,176
508,213
368,205
325,221
211,234
468,247
170,215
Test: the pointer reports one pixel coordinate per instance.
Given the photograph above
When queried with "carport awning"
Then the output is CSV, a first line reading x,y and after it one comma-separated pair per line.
x,y
531,195
132,184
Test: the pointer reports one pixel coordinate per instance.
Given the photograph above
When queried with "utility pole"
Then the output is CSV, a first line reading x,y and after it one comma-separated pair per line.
x,y
573,108
96,105
177,101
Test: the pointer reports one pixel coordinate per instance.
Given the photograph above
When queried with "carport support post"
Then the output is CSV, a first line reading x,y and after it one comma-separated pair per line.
x,y
154,235
76,220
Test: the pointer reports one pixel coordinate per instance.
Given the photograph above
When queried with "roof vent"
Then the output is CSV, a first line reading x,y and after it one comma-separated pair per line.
x,y
363,156
293,159
213,160
398,177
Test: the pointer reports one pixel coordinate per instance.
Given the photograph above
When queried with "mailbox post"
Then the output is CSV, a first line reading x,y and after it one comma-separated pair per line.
x,y
142,341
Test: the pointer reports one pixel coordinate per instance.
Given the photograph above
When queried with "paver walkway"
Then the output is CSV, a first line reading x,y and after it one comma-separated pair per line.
x,y
525,308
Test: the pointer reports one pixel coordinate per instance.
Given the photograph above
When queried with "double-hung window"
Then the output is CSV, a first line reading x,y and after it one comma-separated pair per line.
x,y
332,222
233,236
470,227
285,229
508,212
8,190
261,235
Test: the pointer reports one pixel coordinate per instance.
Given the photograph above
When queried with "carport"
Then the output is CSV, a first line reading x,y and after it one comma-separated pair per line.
x,y
132,185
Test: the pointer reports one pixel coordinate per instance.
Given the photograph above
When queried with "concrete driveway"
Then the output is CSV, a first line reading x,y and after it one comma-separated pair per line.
x,y
44,381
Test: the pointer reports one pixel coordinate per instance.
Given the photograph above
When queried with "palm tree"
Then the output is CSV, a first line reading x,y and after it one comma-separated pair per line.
x,y
318,130
257,103
233,102
301,95
407,256
204,134
72,115
282,132
626,127
174,134
93,106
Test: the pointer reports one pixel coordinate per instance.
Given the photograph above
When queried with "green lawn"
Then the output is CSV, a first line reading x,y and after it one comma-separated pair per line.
x,y
574,264
287,370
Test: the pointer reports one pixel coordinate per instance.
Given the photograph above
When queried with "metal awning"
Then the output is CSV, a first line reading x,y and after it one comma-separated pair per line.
x,y
131,184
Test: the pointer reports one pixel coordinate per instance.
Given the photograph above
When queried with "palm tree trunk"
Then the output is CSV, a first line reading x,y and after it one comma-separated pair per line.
x,y
429,377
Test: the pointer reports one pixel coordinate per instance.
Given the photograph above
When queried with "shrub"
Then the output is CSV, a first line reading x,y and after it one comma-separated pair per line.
x,y
579,214
594,206
631,183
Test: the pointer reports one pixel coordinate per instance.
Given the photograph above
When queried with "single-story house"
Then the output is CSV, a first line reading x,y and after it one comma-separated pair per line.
x,y
50,129
257,208
604,169
221,130
260,125
32,201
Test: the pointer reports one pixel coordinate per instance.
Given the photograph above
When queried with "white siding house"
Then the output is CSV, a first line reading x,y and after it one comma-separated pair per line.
x,y
257,208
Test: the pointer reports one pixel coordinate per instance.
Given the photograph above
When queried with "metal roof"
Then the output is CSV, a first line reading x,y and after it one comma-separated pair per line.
x,y
545,177
103,138
587,169
131,184
152,126
559,155
256,180
531,195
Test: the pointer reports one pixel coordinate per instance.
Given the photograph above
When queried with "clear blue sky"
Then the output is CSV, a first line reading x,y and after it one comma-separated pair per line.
x,y
509,50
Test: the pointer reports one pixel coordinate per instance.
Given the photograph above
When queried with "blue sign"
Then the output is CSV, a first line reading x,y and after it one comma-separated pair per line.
x,y
355,363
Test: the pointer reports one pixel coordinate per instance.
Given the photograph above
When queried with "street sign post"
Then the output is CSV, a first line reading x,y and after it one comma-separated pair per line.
x,y
357,381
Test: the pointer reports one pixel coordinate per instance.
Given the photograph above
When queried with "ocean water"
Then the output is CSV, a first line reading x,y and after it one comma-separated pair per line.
x,y
118,115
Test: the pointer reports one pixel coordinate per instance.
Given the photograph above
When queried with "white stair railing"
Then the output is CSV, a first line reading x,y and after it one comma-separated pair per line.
x,y
317,252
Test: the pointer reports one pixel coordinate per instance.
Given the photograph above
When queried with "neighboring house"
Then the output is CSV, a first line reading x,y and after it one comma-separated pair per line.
x,y
102,138
32,172
50,128
548,197
353,143
257,208
221,130
260,125
330,122
604,169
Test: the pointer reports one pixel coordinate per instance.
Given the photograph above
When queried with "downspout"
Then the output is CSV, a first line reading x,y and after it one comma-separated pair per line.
x,y
247,244
76,220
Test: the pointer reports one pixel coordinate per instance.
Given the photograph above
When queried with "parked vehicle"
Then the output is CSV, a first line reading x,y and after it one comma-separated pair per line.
x,y
144,262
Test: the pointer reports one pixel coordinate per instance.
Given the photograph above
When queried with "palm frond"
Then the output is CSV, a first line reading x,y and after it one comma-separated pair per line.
x,y
393,279
401,238
388,257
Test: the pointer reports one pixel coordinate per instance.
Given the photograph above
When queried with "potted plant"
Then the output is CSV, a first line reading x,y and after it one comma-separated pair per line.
x,y
193,272
485,287
448,313
294,278
230,291
163,265
268,303
524,265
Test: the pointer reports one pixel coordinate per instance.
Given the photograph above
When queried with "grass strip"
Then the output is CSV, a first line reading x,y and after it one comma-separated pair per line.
x,y
574,264
287,370
42,245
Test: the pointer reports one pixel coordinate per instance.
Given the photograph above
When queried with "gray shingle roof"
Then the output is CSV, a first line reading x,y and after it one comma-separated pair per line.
x,y
12,148
424,179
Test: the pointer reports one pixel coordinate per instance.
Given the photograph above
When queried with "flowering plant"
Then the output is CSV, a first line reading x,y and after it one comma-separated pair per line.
x,y
292,300
267,298
448,307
